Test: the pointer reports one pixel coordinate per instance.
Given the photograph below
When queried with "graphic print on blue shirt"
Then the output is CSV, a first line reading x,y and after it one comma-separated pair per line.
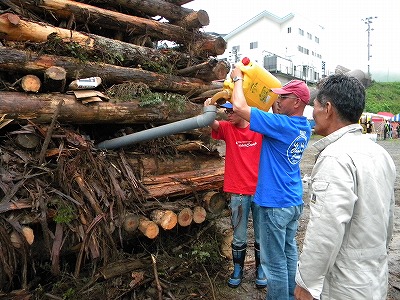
x,y
296,148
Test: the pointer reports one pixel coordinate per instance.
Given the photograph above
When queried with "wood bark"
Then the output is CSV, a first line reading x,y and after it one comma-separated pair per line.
x,y
170,11
190,146
213,46
179,2
207,94
147,165
185,183
24,61
175,206
208,71
123,267
55,79
13,28
55,250
85,13
39,108
196,19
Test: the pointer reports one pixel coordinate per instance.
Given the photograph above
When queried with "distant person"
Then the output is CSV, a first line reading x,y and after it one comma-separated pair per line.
x,y
398,130
241,171
345,249
279,188
385,130
369,126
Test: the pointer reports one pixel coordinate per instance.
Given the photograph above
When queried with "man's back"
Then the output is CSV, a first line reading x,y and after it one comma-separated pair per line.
x,y
353,180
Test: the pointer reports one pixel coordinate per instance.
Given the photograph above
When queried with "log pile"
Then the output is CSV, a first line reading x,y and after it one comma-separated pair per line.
x,y
59,193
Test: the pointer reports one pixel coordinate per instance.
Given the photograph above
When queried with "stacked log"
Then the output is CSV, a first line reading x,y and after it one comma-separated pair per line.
x,y
55,184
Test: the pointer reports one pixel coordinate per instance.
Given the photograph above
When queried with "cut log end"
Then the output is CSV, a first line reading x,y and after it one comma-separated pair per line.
x,y
214,202
28,141
185,217
148,228
31,83
199,214
166,219
131,222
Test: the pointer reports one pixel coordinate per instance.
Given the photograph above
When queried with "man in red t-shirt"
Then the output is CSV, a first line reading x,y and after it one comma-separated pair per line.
x,y
241,171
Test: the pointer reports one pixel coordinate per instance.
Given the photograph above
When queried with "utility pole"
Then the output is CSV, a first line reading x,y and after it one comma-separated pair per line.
x,y
368,21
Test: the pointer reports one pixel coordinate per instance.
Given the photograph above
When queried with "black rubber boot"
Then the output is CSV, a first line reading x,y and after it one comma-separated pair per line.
x,y
261,279
238,254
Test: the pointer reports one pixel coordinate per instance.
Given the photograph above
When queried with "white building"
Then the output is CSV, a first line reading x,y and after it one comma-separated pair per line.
x,y
289,47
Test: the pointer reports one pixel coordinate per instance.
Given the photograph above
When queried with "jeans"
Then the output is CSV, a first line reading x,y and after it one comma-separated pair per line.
x,y
240,206
278,249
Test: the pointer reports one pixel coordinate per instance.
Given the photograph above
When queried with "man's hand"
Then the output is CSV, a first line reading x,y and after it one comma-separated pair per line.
x,y
302,294
236,72
207,102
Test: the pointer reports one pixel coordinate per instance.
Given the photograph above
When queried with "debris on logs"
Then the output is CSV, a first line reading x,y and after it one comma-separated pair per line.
x,y
64,201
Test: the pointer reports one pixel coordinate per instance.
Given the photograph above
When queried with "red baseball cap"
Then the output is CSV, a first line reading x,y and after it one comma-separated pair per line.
x,y
297,87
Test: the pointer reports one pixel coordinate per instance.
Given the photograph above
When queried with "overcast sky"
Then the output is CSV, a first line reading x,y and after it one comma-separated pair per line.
x,y
346,33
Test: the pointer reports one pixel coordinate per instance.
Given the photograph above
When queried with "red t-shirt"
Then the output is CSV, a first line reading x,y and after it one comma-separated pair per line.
x,y
242,155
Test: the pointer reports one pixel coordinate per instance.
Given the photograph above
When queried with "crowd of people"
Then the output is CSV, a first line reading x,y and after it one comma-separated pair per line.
x,y
386,129
390,131
345,249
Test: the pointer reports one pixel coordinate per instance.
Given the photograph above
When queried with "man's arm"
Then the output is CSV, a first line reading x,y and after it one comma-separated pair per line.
x,y
238,100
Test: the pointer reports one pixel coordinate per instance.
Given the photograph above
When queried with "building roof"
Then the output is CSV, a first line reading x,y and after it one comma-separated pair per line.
x,y
264,14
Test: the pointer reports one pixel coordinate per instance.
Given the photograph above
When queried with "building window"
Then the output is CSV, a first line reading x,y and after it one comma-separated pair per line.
x,y
234,55
301,31
270,63
309,36
303,50
289,30
316,40
253,45
300,48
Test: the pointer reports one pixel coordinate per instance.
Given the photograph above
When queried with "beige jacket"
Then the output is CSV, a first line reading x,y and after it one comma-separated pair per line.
x,y
344,254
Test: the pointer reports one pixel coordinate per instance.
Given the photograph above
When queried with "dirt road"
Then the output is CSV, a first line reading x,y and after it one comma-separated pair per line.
x,y
247,290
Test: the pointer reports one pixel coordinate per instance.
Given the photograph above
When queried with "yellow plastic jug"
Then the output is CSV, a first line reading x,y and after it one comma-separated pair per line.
x,y
257,84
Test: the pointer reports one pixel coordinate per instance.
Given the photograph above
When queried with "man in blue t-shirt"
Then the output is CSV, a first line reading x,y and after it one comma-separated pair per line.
x,y
279,191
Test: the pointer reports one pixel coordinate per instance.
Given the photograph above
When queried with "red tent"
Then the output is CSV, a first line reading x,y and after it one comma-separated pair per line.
x,y
385,114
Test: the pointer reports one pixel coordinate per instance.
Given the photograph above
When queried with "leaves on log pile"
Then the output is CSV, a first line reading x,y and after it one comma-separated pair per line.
x,y
84,197
64,200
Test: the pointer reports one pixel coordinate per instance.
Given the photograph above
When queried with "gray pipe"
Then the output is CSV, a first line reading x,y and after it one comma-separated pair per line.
x,y
203,120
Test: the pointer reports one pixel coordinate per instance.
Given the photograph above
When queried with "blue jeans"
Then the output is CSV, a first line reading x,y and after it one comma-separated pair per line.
x,y
278,249
240,206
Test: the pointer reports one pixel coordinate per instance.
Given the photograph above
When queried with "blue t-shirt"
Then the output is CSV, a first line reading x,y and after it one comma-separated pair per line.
x,y
284,141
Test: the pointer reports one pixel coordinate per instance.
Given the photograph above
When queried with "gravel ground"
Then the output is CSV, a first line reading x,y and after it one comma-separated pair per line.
x,y
247,289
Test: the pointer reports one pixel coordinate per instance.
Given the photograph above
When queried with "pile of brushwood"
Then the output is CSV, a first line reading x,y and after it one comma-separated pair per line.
x,y
79,221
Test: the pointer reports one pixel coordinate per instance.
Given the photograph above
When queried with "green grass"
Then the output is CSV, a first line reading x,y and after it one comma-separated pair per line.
x,y
383,96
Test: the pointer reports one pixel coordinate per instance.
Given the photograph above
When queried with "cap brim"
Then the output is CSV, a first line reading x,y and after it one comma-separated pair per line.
x,y
227,105
280,91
